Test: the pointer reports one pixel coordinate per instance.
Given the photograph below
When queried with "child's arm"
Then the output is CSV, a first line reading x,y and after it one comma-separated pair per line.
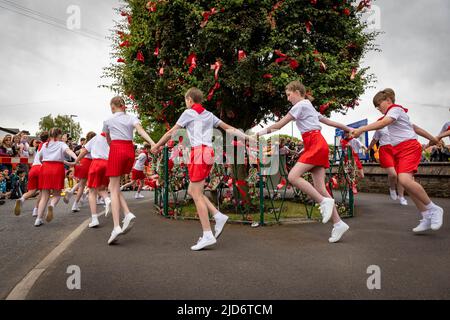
x,y
83,153
276,126
335,124
71,153
373,143
423,133
443,135
166,137
144,134
373,126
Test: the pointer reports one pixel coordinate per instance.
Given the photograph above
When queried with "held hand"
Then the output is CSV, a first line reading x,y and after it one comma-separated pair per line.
x,y
154,150
355,133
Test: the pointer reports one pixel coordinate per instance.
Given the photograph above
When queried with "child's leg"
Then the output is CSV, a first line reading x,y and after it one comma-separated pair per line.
x,y
93,200
28,194
81,186
318,176
141,183
295,178
129,184
103,193
392,178
400,190
45,195
414,189
56,198
195,190
114,187
211,208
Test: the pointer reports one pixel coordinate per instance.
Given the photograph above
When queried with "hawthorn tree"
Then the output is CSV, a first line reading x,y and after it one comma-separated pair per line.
x,y
241,53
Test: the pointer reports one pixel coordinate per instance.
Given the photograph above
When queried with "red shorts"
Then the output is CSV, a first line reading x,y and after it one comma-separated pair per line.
x,y
51,176
386,155
202,160
121,158
82,170
316,149
137,175
151,183
33,177
407,156
97,174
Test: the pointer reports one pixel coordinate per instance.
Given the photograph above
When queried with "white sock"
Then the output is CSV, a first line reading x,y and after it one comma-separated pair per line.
x,y
431,205
208,234
118,229
94,216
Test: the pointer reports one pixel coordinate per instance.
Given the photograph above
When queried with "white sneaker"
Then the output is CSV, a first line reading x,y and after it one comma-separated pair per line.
x,y
338,232
35,212
437,214
94,223
393,194
403,201
18,207
424,225
114,235
121,188
138,196
75,207
203,242
67,197
38,222
326,209
107,206
220,223
49,216
128,222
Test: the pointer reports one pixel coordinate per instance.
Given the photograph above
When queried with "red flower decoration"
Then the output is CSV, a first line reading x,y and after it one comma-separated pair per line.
x,y
241,55
140,56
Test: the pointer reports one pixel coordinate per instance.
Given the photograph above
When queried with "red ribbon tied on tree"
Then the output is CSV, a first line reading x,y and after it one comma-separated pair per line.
x,y
206,15
281,184
156,53
282,57
239,184
215,87
121,60
308,26
140,56
216,67
241,55
192,62
126,43
323,108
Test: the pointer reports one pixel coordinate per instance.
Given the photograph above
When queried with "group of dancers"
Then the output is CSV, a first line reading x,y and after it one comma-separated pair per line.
x,y
109,155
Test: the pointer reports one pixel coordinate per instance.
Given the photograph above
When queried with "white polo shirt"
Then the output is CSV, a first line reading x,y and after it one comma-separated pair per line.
x,y
199,126
53,151
120,126
139,165
382,135
306,116
401,129
356,145
37,159
98,147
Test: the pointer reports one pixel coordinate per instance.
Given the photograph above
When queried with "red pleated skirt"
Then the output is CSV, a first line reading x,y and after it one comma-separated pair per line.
x,y
121,158
201,163
137,175
51,176
386,156
97,174
33,177
407,156
315,149
82,170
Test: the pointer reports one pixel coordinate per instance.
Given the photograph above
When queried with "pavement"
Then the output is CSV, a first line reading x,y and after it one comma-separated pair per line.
x,y
153,261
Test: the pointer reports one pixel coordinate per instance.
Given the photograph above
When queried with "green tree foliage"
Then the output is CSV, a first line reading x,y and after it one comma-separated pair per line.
x,y
64,122
241,53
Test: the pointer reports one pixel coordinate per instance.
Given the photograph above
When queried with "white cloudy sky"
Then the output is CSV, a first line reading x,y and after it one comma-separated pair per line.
x,y
49,70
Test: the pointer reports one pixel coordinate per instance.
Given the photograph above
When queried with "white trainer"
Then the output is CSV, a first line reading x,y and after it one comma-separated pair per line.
x,y
437,215
203,242
94,223
18,207
403,201
114,235
338,232
35,212
49,216
128,222
220,224
107,206
326,209
424,225
393,194
75,207
138,196
38,222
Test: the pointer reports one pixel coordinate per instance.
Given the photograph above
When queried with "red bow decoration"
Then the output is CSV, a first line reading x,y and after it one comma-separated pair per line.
x,y
323,108
281,184
192,62
308,26
274,8
346,11
206,15
238,184
215,87
216,67
140,56
241,55
156,53
126,43
121,60
282,57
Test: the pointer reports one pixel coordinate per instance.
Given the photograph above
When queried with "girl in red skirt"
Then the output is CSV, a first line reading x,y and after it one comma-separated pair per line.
x,y
119,133
407,153
97,182
81,174
314,157
137,173
51,177
33,179
386,157
356,146
199,124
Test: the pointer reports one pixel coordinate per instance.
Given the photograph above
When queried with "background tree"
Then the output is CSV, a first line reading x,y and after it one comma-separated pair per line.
x,y
241,53
65,122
